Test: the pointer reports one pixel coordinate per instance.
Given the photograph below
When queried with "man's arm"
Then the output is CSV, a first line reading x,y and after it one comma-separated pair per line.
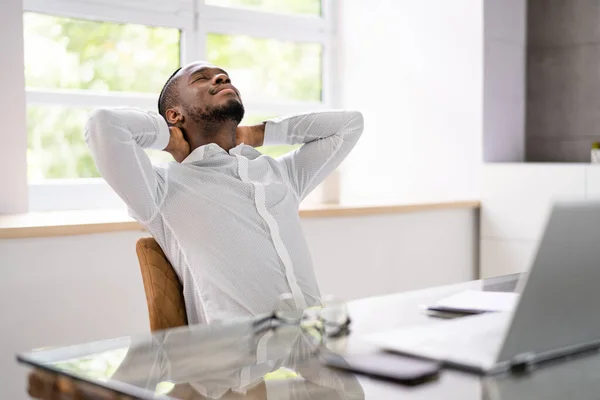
x,y
327,138
116,139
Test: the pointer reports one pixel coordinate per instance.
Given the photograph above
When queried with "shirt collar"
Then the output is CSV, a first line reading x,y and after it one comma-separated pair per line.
x,y
213,149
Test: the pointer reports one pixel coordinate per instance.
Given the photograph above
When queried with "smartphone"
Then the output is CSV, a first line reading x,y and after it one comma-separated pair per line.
x,y
383,365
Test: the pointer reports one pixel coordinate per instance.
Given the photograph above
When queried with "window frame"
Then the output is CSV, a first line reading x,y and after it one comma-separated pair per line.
x,y
195,20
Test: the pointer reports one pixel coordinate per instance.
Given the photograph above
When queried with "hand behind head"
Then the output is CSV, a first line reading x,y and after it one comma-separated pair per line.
x,y
178,146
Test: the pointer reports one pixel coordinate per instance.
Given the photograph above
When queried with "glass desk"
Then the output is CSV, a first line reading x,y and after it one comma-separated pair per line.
x,y
244,360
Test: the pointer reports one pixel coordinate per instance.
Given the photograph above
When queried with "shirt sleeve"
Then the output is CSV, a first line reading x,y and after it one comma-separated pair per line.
x,y
327,139
116,139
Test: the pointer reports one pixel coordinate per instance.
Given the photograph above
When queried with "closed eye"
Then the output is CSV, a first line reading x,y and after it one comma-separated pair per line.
x,y
199,78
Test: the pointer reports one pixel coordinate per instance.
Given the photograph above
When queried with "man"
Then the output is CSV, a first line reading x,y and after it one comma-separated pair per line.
x,y
225,215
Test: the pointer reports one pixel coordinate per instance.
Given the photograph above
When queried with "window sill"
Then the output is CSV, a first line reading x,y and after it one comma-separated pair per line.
x,y
66,223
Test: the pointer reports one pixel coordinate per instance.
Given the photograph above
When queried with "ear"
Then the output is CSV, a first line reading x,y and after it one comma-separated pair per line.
x,y
174,116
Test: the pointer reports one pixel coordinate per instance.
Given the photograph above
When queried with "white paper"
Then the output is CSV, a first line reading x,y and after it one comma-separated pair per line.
x,y
478,301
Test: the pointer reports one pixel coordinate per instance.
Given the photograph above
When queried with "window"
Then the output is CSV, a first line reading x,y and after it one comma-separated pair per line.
x,y
78,57
109,53
311,7
269,69
70,53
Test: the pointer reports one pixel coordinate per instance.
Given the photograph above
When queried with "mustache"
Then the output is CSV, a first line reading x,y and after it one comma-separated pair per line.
x,y
216,89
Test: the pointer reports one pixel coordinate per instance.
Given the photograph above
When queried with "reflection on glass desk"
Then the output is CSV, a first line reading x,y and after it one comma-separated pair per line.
x,y
218,361
236,360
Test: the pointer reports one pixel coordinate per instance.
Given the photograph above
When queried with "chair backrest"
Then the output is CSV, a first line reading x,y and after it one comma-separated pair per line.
x,y
164,293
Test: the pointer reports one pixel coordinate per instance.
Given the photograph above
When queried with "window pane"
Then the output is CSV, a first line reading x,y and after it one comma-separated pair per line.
x,y
56,145
70,53
255,119
269,69
312,7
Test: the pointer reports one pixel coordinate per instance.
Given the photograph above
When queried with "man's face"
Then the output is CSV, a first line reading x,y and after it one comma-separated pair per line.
x,y
205,91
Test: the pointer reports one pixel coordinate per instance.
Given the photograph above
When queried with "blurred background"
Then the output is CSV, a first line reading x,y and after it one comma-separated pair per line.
x,y
478,114
285,56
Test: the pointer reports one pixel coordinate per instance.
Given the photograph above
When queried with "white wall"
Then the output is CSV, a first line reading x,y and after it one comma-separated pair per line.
x,y
66,290
516,203
414,68
516,197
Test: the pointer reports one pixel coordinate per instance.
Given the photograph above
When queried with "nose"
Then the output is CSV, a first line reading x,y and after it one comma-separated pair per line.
x,y
220,79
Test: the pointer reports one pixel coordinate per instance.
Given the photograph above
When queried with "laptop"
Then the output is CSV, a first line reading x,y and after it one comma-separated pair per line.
x,y
558,312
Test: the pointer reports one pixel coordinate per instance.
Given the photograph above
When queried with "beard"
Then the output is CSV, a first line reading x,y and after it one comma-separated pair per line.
x,y
233,110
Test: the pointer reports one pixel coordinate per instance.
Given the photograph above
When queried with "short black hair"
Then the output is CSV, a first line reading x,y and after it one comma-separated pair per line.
x,y
168,95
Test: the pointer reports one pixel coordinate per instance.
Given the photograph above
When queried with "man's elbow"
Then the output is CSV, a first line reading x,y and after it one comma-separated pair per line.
x,y
98,121
356,121
101,116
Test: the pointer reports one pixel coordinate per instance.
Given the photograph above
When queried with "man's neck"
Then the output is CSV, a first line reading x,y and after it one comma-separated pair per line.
x,y
221,133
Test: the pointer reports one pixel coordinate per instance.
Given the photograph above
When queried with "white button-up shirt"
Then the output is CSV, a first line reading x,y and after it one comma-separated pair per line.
x,y
227,221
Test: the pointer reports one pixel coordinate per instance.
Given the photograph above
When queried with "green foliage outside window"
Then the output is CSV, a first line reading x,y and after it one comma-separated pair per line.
x,y
67,53
269,69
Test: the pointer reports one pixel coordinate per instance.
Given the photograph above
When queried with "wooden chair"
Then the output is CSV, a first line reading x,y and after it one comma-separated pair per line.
x,y
164,293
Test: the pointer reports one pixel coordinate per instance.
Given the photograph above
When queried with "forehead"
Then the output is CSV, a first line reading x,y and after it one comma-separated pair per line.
x,y
197,67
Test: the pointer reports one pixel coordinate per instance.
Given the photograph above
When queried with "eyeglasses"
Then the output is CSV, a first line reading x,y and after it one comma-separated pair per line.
x,y
330,320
